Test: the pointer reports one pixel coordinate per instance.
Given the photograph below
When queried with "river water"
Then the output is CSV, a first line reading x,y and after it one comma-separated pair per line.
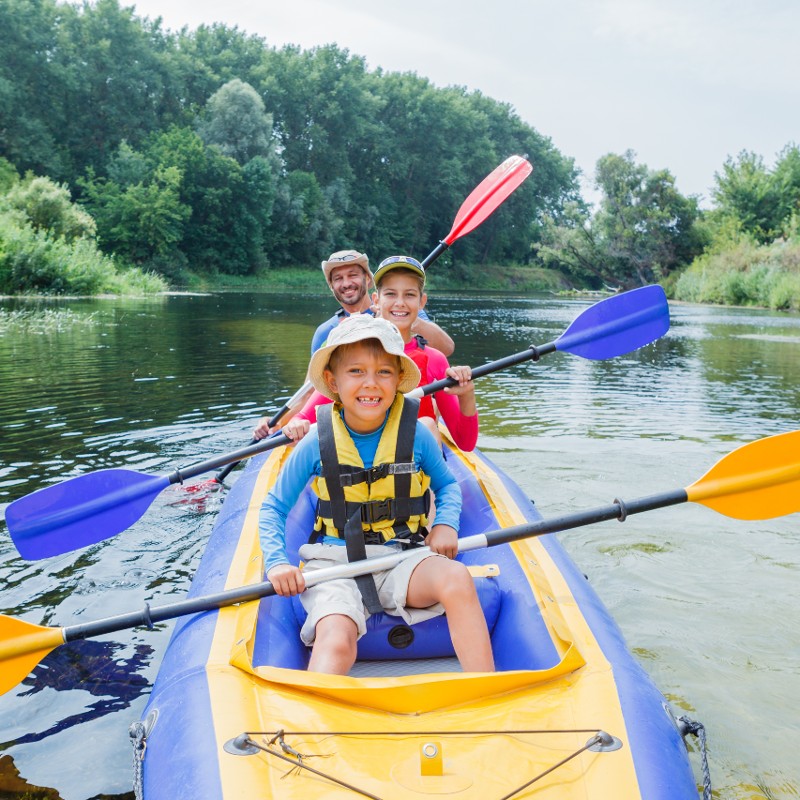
x,y
708,604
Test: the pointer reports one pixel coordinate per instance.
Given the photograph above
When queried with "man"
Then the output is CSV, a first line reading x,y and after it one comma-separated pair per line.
x,y
348,276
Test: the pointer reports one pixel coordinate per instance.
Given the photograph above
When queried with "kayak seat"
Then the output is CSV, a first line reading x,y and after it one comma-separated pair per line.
x,y
390,637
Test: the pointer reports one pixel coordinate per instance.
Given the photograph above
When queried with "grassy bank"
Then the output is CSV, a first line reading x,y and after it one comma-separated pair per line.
x,y
744,274
296,279
35,262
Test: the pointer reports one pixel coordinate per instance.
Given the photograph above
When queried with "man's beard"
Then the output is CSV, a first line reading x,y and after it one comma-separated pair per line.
x,y
358,298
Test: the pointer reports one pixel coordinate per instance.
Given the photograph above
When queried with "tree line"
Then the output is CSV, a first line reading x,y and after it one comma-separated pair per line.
x,y
212,152
210,149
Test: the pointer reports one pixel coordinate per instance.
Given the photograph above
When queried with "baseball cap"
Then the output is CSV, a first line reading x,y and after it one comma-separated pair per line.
x,y
395,262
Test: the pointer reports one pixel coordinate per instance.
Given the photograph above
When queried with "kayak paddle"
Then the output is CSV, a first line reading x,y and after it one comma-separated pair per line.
x,y
760,480
89,508
295,398
484,199
490,193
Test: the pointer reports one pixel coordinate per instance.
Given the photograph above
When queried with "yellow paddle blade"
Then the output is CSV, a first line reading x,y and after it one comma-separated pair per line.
x,y
760,480
22,646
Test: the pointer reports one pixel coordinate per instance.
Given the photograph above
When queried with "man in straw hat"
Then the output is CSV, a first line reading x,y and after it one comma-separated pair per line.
x,y
371,436
349,278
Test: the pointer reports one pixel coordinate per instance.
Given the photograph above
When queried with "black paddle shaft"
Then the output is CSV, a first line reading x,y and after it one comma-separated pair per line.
x,y
618,510
180,475
225,471
147,617
533,353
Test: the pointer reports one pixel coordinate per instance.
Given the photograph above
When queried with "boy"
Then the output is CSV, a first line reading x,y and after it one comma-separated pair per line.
x,y
364,369
400,283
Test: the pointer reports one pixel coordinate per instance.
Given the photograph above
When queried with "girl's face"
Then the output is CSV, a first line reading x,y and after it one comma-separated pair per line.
x,y
366,380
400,301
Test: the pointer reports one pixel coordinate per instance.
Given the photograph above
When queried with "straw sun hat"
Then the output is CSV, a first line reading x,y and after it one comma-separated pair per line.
x,y
346,258
358,328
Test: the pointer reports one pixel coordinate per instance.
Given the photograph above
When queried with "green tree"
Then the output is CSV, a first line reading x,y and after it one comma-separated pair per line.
x,y
8,175
643,230
31,82
48,207
745,191
303,224
786,181
236,122
646,226
571,245
140,221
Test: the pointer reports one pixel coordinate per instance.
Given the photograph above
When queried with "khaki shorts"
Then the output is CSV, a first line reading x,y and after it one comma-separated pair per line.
x,y
343,597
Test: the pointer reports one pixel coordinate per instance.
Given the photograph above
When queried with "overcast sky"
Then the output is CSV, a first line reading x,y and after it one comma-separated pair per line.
x,y
683,83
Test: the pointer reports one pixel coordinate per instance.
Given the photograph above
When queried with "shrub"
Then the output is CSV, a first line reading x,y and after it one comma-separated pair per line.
x,y
33,261
745,274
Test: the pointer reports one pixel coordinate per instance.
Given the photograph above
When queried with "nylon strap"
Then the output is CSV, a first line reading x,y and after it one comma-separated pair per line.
x,y
346,516
351,528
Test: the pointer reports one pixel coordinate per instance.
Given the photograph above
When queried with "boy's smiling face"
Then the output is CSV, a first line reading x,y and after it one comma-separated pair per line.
x,y
366,379
400,300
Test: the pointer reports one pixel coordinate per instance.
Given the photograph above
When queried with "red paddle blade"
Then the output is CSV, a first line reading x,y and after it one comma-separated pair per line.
x,y
488,195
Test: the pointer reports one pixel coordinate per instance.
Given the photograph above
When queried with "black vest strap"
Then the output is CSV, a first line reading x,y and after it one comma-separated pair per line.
x,y
346,516
349,526
399,509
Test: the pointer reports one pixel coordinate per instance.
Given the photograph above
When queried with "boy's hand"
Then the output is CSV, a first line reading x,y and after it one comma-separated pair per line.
x,y
465,391
443,540
286,580
296,429
262,430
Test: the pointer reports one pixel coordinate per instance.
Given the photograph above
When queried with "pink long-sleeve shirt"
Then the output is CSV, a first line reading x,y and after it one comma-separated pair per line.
x,y
464,430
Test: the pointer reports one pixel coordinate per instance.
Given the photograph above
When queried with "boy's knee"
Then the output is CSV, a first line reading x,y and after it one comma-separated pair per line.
x,y
336,634
459,585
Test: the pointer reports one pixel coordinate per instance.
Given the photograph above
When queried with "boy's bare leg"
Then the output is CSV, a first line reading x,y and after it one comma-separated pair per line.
x,y
334,649
437,580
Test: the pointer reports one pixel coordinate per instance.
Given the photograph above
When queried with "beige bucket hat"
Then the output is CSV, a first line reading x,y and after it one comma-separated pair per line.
x,y
357,328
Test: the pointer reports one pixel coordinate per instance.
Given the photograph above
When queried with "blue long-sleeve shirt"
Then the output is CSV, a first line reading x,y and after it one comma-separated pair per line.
x,y
305,463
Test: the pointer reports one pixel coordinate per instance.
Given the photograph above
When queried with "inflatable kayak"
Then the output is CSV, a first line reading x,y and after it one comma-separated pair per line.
x,y
568,714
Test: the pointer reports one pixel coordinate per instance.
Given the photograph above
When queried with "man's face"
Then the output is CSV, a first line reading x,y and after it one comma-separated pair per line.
x,y
349,285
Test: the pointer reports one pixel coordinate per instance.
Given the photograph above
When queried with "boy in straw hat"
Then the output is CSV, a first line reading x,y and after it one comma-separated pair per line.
x,y
372,466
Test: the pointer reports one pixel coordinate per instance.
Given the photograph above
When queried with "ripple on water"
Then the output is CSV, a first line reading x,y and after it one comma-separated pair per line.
x,y
706,602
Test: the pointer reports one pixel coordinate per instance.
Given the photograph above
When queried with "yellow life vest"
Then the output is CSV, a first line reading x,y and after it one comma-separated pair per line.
x,y
392,496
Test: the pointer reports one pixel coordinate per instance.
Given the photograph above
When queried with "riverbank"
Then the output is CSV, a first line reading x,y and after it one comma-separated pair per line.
x,y
744,274
482,278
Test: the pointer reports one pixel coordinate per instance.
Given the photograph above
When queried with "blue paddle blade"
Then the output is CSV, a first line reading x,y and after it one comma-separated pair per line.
x,y
80,511
617,325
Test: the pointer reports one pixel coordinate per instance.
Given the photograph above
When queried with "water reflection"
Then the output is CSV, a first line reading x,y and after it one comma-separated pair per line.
x,y
88,666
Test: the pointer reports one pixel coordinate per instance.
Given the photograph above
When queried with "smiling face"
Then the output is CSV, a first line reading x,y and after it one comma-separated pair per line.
x,y
349,284
366,378
400,300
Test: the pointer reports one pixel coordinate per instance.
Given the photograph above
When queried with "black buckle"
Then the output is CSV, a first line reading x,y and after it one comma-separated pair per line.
x,y
367,476
377,472
376,511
